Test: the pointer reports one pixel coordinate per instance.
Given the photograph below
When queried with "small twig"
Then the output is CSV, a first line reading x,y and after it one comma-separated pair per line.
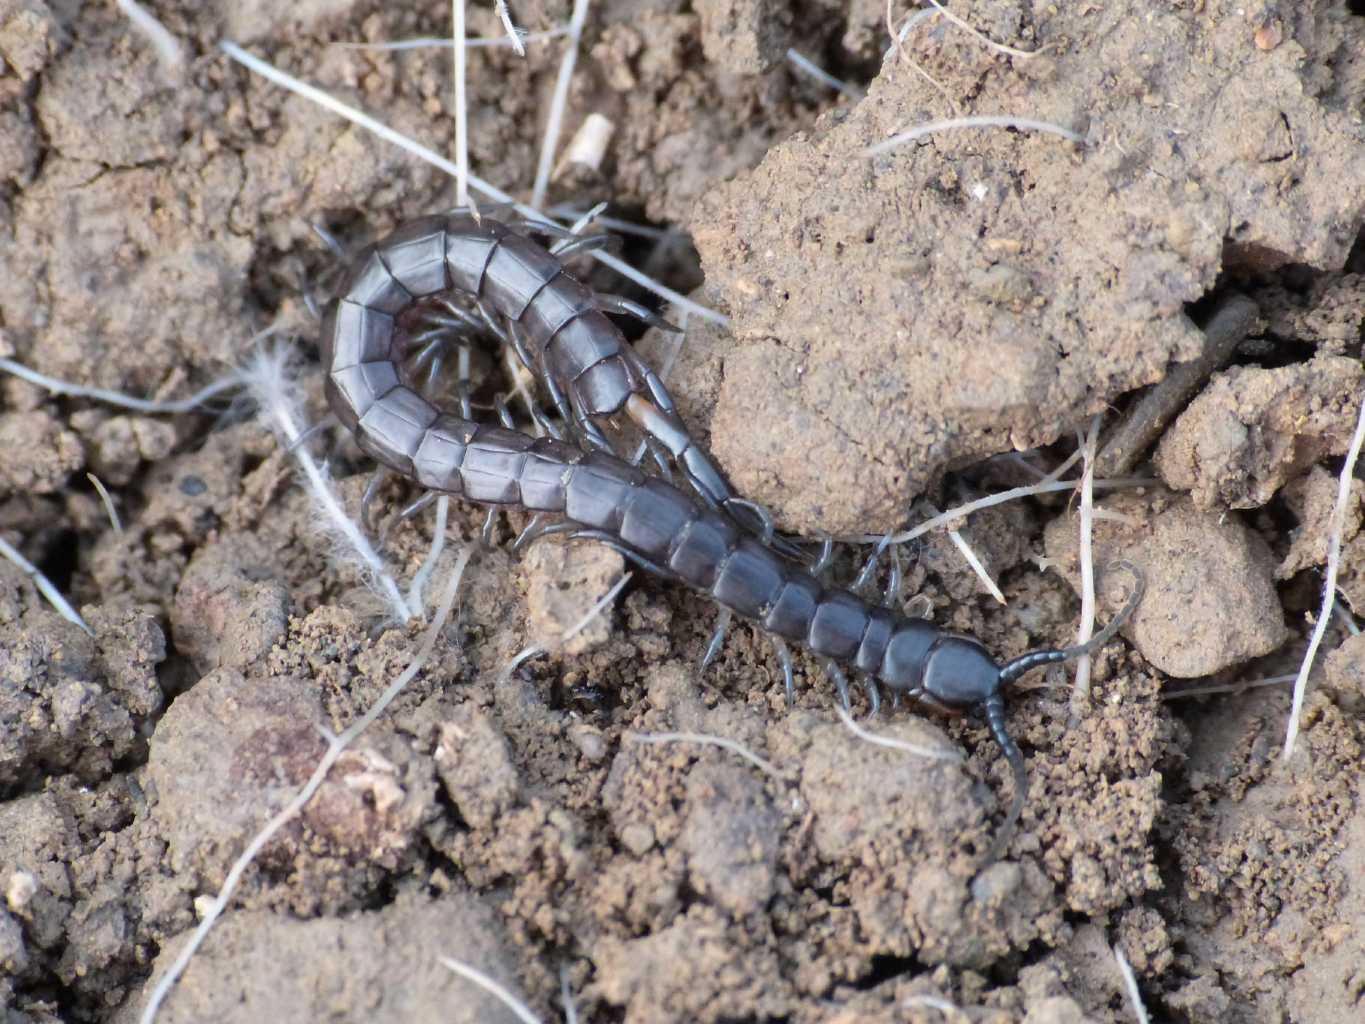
x,y
335,747
1329,586
1130,985
108,500
496,195
493,988
168,49
44,585
974,121
802,62
527,653
707,739
558,101
1080,692
891,742
1148,417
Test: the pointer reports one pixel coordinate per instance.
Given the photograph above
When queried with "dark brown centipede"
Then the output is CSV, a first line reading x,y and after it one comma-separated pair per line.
x,y
598,496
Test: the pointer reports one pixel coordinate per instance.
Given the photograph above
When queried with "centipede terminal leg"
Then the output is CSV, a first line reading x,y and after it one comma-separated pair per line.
x,y
713,646
840,680
376,481
784,659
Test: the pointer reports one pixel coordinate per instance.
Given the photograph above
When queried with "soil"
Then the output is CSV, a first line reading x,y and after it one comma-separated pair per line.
x,y
907,332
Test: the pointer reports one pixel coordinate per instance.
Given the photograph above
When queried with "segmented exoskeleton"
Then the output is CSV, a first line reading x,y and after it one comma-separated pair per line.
x,y
599,496
522,291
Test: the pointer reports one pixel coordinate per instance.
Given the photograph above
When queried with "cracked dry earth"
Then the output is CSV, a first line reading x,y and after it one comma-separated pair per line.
x,y
907,332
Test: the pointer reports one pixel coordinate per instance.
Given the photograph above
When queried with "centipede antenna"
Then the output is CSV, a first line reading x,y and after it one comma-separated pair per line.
x,y
1012,670
994,708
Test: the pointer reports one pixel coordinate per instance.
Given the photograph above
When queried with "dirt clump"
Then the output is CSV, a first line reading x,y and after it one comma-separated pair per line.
x,y
1252,429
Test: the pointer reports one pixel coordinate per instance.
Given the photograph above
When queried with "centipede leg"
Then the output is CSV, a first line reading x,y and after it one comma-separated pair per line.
x,y
661,458
568,250
892,594
717,638
367,499
874,697
630,555
489,527
412,509
840,683
784,658
863,584
824,560
625,307
504,413
540,527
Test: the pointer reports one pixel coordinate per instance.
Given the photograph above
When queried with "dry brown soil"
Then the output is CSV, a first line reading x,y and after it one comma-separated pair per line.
x,y
901,327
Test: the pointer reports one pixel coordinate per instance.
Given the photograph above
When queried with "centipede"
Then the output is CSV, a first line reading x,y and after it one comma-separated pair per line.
x,y
580,488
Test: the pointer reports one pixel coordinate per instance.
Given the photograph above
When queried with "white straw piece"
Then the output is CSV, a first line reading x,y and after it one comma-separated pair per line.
x,y
108,501
803,63
1329,585
1131,987
496,195
470,42
461,107
1080,692
558,101
493,988
167,46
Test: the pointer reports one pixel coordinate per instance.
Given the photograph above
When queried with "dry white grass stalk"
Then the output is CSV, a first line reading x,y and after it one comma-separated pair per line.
x,y
1347,619
919,131
803,63
890,742
527,653
566,996
1329,585
991,500
1080,691
168,49
568,211
1250,684
45,586
470,42
1131,987
461,105
514,34
554,122
336,745
500,992
477,184
706,739
116,398
108,501
438,543
267,379
970,555
981,36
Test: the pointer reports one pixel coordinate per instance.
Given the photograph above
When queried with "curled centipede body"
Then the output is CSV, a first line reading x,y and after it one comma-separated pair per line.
x,y
596,495
556,324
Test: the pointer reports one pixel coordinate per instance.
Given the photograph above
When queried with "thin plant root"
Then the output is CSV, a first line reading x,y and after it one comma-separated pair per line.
x,y
1130,986
919,131
890,742
708,740
336,745
535,650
